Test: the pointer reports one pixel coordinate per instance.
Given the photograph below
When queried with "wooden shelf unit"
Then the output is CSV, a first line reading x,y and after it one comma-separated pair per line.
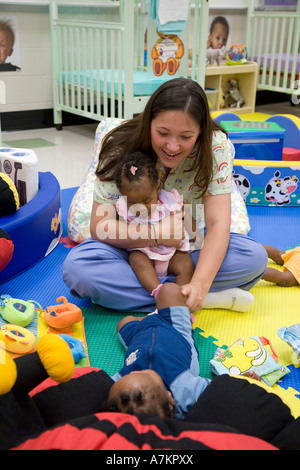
x,y
217,84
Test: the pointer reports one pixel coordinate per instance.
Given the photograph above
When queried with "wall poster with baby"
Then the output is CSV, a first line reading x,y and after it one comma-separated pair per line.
x,y
9,44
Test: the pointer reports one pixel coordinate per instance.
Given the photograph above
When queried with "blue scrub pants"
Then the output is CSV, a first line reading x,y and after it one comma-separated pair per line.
x,y
102,272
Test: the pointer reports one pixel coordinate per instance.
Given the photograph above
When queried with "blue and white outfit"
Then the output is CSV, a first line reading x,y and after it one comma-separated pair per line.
x,y
164,343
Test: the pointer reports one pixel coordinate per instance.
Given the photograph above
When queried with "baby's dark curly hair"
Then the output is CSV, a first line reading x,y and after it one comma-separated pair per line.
x,y
145,400
134,167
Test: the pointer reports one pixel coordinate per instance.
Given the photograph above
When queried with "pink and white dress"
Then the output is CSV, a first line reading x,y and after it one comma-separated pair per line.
x,y
168,203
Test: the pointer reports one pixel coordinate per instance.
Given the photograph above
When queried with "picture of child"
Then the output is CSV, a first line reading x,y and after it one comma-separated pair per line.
x,y
218,34
7,43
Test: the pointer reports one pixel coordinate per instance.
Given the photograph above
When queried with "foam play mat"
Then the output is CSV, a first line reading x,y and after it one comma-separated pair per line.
x,y
274,307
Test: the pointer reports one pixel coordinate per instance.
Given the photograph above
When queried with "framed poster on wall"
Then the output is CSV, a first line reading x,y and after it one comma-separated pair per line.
x,y
9,44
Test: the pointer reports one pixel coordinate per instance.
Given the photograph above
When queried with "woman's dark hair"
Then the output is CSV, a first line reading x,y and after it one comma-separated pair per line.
x,y
134,167
178,94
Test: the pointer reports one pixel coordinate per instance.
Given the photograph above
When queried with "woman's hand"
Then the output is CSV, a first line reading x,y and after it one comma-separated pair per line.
x,y
194,297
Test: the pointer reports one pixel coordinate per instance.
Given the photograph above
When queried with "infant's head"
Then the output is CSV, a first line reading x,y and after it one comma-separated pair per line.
x,y
137,178
7,40
219,31
141,392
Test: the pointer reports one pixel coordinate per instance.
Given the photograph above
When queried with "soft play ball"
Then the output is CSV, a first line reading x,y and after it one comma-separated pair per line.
x,y
9,197
6,249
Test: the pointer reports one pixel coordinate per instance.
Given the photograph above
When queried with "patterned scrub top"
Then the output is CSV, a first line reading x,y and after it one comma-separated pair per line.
x,y
106,192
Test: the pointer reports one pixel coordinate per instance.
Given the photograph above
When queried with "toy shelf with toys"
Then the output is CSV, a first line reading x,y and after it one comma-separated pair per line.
x,y
218,84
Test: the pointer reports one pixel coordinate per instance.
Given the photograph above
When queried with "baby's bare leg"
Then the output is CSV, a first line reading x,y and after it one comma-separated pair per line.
x,y
169,296
283,279
144,270
182,266
128,319
274,254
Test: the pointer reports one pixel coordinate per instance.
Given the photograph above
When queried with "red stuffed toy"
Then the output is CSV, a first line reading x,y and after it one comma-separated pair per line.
x,y
6,249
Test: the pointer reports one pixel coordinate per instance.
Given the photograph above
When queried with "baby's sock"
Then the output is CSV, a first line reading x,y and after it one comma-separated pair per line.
x,y
231,299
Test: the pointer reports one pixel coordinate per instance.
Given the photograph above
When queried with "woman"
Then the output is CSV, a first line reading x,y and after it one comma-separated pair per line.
x,y
192,154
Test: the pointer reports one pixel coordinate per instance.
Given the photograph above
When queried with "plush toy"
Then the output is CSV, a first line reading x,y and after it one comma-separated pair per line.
x,y
234,95
16,311
17,339
215,55
6,249
61,317
9,197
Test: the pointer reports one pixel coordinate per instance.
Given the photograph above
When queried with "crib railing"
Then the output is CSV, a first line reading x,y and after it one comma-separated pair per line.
x,y
273,42
81,49
94,60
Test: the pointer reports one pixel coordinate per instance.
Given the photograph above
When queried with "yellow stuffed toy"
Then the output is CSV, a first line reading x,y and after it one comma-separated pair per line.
x,y
8,372
56,357
9,197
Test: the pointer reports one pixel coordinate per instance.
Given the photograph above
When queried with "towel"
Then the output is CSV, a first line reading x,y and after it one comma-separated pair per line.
x,y
291,335
170,15
172,10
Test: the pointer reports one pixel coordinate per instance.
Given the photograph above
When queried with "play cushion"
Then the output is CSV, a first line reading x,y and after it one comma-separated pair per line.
x,y
226,415
119,431
81,206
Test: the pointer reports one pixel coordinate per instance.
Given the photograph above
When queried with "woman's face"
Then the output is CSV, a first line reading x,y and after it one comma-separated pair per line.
x,y
173,137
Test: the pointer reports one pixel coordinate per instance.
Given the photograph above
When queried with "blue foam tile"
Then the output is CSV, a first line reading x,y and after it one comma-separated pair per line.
x,y
276,226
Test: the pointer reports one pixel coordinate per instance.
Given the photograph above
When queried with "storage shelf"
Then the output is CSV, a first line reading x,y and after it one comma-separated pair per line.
x,y
217,78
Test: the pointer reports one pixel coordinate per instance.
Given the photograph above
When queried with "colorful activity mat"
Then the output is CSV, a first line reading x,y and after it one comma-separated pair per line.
x,y
274,307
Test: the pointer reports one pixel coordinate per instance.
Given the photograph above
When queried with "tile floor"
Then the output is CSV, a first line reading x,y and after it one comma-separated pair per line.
x,y
67,153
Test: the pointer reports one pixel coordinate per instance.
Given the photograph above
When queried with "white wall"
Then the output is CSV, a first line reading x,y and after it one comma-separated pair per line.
x,y
30,88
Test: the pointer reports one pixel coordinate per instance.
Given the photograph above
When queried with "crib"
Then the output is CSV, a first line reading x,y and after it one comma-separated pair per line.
x,y
102,56
272,40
